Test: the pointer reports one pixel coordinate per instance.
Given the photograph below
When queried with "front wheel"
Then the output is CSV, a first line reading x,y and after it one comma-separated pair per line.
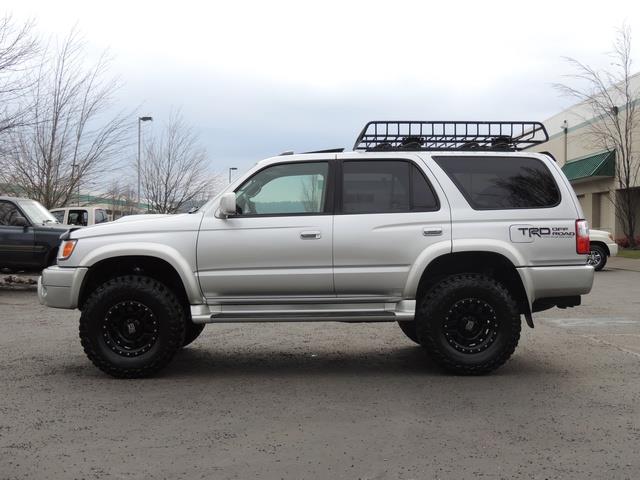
x,y
468,323
132,326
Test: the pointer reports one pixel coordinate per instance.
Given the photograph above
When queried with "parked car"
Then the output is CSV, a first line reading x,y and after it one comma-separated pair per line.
x,y
602,246
29,235
80,216
444,227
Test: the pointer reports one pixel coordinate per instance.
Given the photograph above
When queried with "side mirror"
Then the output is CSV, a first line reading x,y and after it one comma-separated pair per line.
x,y
227,204
20,221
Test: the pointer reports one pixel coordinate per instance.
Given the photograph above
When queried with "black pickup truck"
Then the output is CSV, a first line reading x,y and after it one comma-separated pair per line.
x,y
29,235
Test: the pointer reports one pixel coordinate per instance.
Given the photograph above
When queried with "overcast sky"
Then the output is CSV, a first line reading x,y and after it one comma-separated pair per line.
x,y
258,78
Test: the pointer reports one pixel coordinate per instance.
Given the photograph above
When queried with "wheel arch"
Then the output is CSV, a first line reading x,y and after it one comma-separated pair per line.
x,y
603,245
150,265
492,264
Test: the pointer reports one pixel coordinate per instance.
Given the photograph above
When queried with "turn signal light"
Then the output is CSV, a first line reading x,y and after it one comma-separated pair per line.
x,y
582,237
66,249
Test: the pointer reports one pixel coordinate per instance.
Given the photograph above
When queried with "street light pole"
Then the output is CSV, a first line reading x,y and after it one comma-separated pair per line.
x,y
230,170
140,120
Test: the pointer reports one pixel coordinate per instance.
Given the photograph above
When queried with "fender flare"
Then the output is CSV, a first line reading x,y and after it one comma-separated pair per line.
x,y
435,251
156,250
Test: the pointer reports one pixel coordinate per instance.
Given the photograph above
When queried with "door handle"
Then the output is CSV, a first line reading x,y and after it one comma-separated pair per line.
x,y
310,235
432,231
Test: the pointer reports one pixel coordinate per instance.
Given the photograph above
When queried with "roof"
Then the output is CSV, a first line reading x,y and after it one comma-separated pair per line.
x,y
596,166
5,197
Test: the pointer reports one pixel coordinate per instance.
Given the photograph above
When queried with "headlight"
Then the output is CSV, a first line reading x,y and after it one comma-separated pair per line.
x,y
66,249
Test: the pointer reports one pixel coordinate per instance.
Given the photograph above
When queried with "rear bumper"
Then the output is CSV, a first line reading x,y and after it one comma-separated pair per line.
x,y
562,281
60,287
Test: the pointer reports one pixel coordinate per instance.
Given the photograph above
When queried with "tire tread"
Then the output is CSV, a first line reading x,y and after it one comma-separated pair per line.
x,y
427,335
175,313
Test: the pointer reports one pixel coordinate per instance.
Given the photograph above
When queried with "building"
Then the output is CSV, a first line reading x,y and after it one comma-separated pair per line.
x,y
589,167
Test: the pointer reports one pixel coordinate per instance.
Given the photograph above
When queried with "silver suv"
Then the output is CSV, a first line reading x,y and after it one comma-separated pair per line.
x,y
448,228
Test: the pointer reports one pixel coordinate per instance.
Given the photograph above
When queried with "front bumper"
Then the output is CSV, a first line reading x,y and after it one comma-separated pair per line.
x,y
613,249
60,287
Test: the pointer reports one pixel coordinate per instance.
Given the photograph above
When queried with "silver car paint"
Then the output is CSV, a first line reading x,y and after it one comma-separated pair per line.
x,y
376,258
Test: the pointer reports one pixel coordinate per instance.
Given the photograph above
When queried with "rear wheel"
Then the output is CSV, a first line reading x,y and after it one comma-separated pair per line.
x,y
468,323
132,326
597,257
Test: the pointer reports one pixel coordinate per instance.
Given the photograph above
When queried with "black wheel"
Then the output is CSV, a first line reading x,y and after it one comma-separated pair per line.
x,y
192,331
132,326
597,257
469,324
409,329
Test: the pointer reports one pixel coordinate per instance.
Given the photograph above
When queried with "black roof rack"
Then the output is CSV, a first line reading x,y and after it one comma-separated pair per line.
x,y
445,135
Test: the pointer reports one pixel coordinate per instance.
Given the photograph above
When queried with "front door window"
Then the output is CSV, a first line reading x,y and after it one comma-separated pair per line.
x,y
286,189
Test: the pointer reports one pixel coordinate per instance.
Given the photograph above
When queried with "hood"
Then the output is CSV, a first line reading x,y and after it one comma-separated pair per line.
x,y
145,216
141,224
53,227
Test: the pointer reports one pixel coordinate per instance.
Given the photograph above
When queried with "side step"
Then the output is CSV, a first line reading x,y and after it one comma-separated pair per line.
x,y
387,312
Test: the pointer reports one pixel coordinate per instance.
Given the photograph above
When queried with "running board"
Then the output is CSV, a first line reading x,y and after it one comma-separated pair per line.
x,y
388,312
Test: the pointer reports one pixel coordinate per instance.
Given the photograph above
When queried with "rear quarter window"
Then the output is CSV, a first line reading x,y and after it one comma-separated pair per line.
x,y
502,183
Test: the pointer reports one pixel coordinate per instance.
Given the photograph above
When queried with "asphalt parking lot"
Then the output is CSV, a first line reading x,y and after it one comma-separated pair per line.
x,y
327,401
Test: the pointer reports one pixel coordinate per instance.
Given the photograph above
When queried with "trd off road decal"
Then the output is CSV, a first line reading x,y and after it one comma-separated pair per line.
x,y
530,233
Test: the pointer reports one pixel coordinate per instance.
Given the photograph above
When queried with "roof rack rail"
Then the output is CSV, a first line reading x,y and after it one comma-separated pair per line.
x,y
450,135
327,150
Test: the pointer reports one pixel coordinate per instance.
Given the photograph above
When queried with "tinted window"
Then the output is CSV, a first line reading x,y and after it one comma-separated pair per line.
x,y
490,183
294,188
8,213
385,186
423,196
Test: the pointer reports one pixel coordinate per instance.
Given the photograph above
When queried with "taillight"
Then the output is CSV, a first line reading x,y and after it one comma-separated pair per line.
x,y
582,237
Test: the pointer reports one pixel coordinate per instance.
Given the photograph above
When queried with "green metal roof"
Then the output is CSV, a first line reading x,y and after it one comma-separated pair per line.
x,y
599,165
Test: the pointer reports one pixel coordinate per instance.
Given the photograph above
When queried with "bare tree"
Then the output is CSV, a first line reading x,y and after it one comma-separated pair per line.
x,y
18,47
611,99
174,170
70,141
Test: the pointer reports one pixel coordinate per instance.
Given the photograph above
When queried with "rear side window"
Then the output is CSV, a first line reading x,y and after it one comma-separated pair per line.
x,y
385,186
101,216
502,183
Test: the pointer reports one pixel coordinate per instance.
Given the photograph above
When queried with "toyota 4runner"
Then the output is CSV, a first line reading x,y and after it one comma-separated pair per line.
x,y
451,229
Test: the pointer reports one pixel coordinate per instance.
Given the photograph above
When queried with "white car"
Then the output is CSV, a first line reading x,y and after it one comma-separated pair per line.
x,y
80,216
602,246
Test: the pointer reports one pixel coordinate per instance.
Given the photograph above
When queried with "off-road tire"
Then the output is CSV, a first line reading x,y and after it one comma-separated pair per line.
x,y
467,298
409,329
165,310
597,257
191,331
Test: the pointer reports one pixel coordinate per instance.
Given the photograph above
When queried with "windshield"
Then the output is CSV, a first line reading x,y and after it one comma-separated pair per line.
x,y
36,212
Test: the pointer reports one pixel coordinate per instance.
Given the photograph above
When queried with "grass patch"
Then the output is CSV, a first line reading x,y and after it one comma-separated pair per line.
x,y
626,253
